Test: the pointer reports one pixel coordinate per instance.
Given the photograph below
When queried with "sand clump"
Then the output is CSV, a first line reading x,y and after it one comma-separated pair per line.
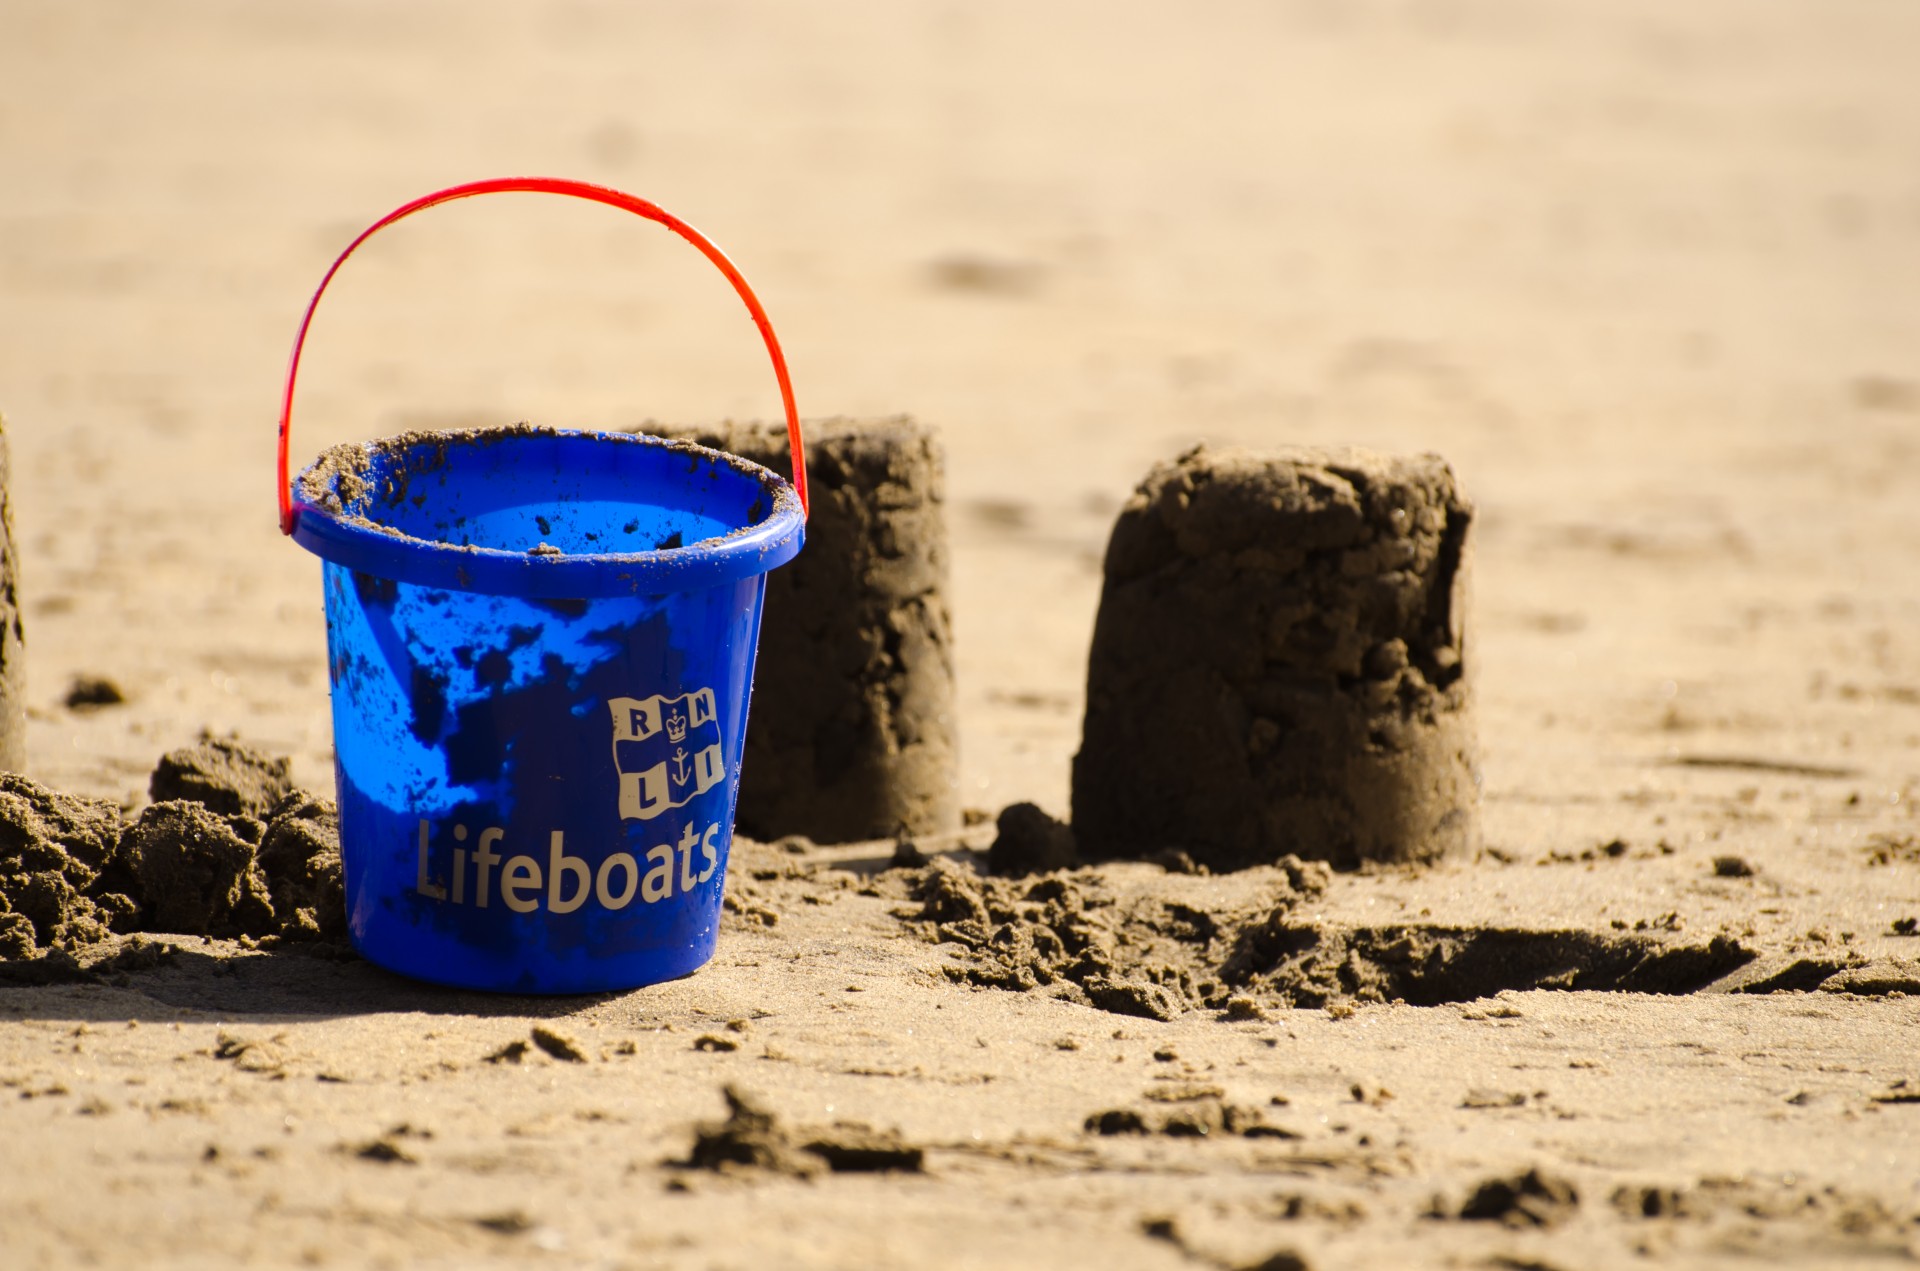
x,y
750,1139
53,850
754,1139
1186,1113
1117,942
1531,1198
300,856
193,874
1070,934
73,872
1028,841
92,693
224,776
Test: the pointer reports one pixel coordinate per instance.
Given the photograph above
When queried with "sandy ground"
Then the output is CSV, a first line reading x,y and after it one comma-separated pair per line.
x,y
1639,270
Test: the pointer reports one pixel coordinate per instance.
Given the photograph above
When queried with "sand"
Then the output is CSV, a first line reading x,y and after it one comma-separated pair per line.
x,y
1634,270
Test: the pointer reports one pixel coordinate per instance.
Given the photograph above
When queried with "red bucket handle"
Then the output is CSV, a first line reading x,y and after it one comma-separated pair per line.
x,y
578,190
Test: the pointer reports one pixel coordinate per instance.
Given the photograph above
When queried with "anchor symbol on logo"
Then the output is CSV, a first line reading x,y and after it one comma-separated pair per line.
x,y
680,772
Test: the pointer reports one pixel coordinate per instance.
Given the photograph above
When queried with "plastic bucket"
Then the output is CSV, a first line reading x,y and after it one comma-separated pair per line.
x,y
541,647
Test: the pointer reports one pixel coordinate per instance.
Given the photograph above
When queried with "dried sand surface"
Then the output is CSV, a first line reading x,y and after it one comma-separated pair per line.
x,y
1640,271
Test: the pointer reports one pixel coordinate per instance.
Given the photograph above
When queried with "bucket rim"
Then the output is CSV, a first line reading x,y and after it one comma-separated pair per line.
x,y
324,526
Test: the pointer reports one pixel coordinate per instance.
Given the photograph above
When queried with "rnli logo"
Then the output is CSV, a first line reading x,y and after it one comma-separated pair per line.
x,y
666,750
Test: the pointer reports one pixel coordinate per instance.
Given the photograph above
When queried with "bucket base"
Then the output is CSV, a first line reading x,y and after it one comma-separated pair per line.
x,y
607,976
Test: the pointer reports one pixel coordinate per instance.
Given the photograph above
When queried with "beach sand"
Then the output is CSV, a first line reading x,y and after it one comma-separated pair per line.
x,y
1641,273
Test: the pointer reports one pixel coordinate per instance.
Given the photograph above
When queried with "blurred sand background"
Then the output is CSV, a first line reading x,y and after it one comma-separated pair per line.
x,y
1642,272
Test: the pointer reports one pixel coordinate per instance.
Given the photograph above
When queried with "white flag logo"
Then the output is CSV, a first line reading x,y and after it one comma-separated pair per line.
x,y
666,750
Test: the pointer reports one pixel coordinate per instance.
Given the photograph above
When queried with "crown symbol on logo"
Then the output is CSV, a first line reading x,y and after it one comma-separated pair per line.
x,y
676,727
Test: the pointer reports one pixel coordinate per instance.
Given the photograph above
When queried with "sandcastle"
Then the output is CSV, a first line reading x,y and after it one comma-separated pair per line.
x,y
853,731
1280,664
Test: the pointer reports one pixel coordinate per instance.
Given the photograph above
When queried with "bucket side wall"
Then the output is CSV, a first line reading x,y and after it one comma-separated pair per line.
x,y
537,795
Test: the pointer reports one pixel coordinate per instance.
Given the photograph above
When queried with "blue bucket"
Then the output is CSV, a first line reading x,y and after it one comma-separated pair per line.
x,y
541,648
